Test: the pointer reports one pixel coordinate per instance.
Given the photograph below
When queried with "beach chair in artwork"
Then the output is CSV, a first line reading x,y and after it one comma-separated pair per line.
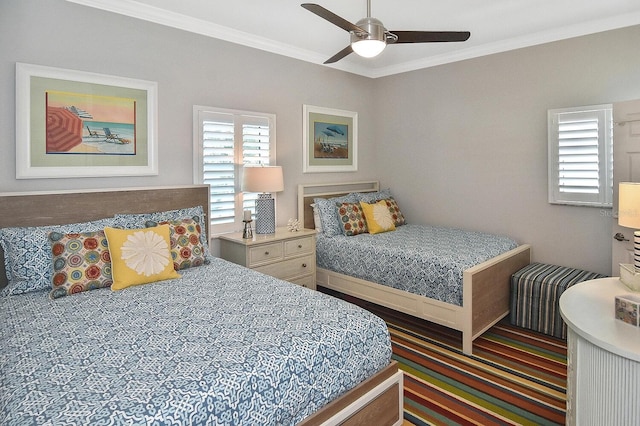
x,y
110,136
92,133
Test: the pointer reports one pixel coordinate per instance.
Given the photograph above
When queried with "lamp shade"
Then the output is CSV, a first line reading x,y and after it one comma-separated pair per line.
x,y
262,179
629,204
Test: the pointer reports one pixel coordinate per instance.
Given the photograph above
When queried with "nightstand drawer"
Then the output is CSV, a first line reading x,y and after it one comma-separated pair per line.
x,y
290,268
299,246
265,253
308,281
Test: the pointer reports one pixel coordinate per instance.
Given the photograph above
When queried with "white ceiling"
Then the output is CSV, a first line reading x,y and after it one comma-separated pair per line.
x,y
283,27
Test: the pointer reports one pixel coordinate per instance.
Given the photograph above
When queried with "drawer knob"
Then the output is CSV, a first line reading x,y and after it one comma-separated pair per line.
x,y
304,265
299,245
266,253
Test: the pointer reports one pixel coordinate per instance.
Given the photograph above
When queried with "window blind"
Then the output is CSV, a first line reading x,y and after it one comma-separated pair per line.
x,y
580,156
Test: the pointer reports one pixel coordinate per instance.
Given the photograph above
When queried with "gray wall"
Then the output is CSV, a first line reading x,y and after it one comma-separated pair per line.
x,y
462,144
473,135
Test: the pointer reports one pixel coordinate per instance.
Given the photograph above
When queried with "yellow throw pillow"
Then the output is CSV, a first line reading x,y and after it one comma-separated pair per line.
x,y
140,256
378,217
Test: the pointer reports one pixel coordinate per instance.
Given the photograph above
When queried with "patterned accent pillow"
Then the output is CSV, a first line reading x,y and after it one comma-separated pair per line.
x,y
352,219
81,262
378,217
327,211
186,249
396,214
140,256
28,257
135,221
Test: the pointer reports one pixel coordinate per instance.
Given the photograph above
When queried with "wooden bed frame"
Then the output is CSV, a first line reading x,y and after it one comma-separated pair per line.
x,y
380,397
486,286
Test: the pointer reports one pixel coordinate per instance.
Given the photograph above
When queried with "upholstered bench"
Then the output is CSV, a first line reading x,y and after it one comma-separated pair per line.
x,y
535,294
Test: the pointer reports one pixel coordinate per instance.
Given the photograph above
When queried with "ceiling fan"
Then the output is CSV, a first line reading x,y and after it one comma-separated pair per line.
x,y
369,37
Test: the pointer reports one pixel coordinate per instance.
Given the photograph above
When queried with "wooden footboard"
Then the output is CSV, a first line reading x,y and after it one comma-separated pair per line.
x,y
486,289
376,401
485,295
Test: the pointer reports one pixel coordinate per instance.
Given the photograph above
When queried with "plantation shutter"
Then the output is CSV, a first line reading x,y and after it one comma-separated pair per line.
x,y
227,140
218,158
255,150
580,156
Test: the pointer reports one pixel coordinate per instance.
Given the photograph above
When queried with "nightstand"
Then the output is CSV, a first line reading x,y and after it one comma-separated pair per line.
x,y
287,255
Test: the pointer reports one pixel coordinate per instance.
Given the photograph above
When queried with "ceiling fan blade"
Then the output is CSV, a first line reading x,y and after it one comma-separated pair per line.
x,y
430,36
331,17
341,54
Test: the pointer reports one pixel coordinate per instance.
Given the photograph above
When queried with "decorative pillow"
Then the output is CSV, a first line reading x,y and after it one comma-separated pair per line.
x,y
327,211
135,221
81,262
28,257
351,219
140,256
396,214
371,197
378,217
186,249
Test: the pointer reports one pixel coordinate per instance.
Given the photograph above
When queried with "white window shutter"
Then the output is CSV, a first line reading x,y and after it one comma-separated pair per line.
x,y
224,141
580,156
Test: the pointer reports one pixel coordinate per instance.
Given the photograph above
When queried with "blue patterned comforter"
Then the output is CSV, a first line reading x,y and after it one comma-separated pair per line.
x,y
223,345
420,259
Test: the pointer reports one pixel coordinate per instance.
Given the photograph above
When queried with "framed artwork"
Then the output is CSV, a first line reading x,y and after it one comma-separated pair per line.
x,y
330,140
80,124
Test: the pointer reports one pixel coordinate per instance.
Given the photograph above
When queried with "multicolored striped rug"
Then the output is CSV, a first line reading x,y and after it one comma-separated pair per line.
x,y
515,376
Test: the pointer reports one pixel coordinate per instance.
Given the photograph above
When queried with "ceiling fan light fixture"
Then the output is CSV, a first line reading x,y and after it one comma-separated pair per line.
x,y
372,42
368,48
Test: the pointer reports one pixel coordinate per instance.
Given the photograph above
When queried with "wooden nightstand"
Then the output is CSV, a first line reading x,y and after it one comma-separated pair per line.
x,y
287,255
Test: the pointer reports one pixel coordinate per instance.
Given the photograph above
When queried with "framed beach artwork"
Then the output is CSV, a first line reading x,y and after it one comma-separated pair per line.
x,y
330,140
79,124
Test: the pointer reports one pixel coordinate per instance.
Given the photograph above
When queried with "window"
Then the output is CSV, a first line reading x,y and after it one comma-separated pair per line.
x,y
224,141
581,156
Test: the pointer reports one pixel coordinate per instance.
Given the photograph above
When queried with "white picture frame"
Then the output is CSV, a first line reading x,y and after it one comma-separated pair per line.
x,y
330,140
49,111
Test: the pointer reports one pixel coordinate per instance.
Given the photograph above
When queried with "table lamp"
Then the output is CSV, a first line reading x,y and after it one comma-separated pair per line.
x,y
264,179
629,216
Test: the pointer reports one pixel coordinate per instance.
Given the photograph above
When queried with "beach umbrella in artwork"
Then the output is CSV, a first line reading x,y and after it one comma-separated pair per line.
x,y
64,130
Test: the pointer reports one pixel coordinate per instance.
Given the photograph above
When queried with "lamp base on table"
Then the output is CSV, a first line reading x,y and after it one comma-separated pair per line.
x,y
265,214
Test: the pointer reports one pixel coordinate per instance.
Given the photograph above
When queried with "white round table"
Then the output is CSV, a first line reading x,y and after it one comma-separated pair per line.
x,y
603,364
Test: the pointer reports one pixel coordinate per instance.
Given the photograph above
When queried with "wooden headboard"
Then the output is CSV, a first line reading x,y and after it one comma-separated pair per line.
x,y
307,192
58,208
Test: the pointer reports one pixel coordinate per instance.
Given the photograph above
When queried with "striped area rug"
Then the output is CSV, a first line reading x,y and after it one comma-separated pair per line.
x,y
515,376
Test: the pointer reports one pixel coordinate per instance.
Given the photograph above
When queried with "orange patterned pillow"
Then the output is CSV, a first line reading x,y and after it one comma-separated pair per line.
x,y
351,218
186,249
81,262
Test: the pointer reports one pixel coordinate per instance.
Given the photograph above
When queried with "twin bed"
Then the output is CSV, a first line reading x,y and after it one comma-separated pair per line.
x,y
459,279
221,344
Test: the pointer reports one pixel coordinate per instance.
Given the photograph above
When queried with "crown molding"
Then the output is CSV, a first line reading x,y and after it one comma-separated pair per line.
x,y
199,26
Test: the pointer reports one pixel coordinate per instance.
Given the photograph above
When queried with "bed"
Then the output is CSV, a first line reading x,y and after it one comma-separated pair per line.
x,y
484,286
219,344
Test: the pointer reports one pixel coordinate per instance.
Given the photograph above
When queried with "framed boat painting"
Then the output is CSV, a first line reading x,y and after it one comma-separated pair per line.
x,y
79,124
330,140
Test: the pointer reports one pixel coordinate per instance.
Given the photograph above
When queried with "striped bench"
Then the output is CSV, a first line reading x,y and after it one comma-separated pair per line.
x,y
535,294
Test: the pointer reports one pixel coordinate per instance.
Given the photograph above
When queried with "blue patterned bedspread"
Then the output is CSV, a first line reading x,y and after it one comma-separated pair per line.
x,y
223,345
420,259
